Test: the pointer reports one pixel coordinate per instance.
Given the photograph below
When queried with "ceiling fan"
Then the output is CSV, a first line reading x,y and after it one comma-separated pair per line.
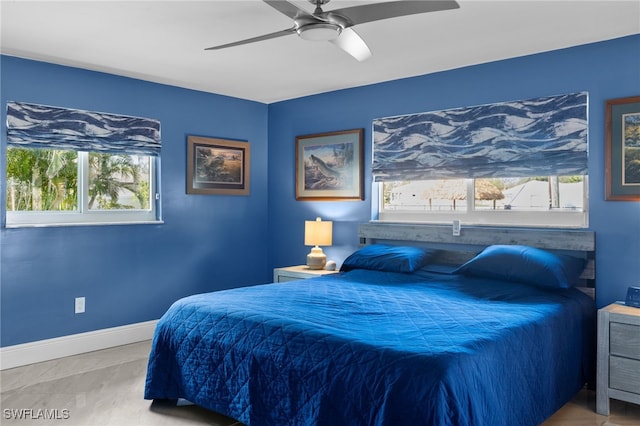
x,y
336,25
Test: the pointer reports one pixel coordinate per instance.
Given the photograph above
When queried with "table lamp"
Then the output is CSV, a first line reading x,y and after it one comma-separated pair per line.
x,y
317,233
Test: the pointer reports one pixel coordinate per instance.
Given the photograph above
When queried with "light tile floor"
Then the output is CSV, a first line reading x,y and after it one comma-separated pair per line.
x,y
106,388
97,388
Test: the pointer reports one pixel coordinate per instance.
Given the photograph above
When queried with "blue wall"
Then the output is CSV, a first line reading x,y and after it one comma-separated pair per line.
x,y
606,70
132,273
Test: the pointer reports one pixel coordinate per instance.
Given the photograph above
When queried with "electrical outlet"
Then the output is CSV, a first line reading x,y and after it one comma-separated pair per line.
x,y
79,305
456,228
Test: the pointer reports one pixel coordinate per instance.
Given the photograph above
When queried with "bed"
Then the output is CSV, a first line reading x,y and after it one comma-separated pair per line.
x,y
494,327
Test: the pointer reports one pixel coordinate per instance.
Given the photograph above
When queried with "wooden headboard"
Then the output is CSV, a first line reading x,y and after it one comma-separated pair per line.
x,y
458,249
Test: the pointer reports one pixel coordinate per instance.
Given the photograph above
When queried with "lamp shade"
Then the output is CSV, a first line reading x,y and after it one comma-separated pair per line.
x,y
318,233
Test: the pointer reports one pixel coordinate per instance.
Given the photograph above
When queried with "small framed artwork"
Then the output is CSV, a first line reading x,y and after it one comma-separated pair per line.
x,y
217,166
329,166
622,150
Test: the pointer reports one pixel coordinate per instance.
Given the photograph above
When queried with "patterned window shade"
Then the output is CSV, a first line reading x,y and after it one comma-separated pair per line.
x,y
536,137
39,126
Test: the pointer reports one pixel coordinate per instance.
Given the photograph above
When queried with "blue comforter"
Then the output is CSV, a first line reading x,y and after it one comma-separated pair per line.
x,y
376,348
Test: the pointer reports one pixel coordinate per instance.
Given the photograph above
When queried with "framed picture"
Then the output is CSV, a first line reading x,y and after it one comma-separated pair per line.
x,y
217,166
622,151
329,166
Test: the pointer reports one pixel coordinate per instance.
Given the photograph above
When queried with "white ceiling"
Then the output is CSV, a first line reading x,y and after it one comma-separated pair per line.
x,y
164,41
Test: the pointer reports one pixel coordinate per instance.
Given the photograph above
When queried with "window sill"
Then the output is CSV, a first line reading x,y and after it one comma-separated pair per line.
x,y
576,220
61,224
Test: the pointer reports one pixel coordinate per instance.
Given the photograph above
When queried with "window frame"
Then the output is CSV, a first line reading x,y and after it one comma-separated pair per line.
x,y
84,216
470,216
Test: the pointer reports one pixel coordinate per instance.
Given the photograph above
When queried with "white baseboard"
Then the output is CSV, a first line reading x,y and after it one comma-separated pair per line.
x,y
59,347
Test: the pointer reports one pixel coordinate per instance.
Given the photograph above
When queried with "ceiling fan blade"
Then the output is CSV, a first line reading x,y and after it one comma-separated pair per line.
x,y
254,39
392,9
286,8
353,44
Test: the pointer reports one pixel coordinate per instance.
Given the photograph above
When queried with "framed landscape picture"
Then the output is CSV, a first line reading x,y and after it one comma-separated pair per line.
x,y
217,166
622,150
329,166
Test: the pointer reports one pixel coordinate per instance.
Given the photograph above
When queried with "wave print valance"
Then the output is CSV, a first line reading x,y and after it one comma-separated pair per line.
x,y
40,126
536,137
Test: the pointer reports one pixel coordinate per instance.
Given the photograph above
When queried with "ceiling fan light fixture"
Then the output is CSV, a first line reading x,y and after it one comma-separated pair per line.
x,y
319,31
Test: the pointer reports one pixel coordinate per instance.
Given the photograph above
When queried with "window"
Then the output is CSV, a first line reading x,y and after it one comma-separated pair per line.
x,y
533,201
55,179
513,163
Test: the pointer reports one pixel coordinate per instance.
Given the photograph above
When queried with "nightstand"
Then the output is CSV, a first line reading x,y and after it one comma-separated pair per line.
x,y
618,356
300,272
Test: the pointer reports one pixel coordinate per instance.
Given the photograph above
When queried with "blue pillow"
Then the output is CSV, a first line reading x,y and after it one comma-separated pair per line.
x,y
525,264
382,257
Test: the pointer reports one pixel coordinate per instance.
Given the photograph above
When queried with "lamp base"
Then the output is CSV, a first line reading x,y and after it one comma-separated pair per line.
x,y
316,259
